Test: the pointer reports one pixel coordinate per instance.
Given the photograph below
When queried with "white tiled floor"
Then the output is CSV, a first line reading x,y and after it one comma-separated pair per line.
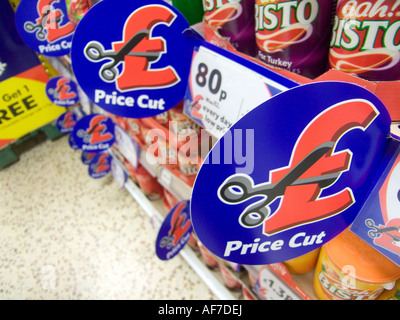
x,y
64,235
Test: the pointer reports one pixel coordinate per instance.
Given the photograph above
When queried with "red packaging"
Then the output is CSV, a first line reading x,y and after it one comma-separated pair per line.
x,y
171,200
192,241
149,184
131,170
162,118
166,153
207,256
132,127
366,39
230,281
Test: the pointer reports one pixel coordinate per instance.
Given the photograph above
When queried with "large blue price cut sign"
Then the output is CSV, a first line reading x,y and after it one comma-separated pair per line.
x,y
291,174
137,62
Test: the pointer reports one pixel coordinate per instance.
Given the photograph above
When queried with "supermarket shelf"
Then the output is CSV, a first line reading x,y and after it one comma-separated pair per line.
x,y
187,253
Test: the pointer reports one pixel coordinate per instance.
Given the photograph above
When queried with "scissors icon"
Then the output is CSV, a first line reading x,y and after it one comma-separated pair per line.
x,y
178,228
95,52
41,26
240,188
377,231
87,135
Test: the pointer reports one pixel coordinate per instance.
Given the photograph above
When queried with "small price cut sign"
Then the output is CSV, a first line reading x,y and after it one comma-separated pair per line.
x,y
270,287
222,90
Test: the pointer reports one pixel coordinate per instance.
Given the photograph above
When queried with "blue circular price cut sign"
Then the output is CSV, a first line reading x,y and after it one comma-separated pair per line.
x,y
94,133
62,91
136,64
87,157
291,174
174,232
66,122
44,26
100,165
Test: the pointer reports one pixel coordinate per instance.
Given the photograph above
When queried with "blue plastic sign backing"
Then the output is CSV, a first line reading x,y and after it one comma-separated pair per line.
x,y
100,165
94,133
44,26
291,174
62,91
174,232
378,223
132,58
66,122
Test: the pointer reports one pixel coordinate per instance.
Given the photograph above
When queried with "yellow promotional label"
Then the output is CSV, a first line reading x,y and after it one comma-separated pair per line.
x,y
24,107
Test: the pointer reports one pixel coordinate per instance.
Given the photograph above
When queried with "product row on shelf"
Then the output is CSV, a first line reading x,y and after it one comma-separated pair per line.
x,y
162,175
157,187
295,279
161,154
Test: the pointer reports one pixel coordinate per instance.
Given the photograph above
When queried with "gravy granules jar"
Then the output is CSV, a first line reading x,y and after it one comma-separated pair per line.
x,y
366,39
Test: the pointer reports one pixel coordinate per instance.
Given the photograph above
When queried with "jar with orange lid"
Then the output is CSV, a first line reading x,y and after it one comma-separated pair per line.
x,y
350,269
304,263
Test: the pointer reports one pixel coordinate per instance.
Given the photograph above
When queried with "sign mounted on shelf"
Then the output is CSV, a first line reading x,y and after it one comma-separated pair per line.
x,y
291,174
24,106
66,122
379,220
174,232
136,65
100,165
94,133
223,87
62,91
44,26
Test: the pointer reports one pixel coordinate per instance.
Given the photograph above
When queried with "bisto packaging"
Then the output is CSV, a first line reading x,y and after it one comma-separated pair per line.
x,y
350,269
234,21
366,39
294,35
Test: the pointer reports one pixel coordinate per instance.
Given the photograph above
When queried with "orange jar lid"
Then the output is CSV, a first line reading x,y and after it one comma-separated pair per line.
x,y
370,265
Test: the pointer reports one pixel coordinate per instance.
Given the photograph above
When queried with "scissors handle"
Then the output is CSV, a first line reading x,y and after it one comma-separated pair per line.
x,y
109,72
255,215
95,51
236,189
30,26
370,224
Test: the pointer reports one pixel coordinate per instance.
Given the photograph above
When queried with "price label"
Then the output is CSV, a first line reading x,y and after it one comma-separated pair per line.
x,y
118,172
128,148
165,177
222,89
270,287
